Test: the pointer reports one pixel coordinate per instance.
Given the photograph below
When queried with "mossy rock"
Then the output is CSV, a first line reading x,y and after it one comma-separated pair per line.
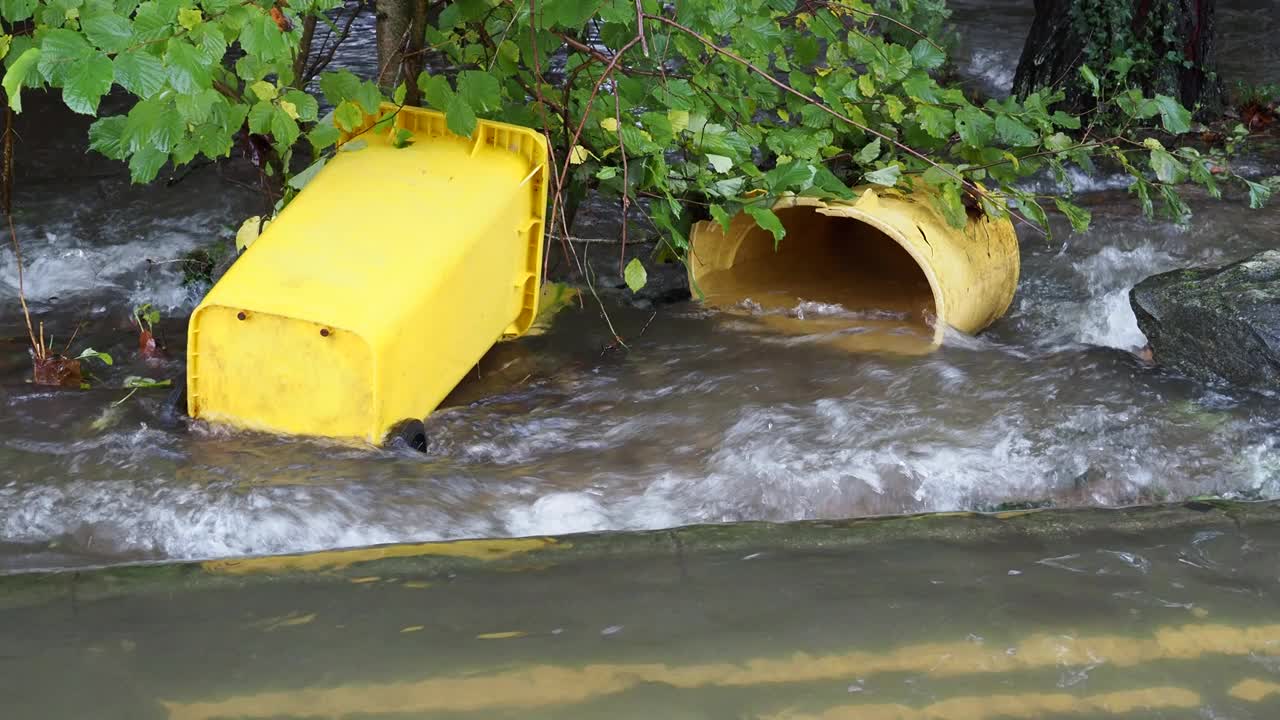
x,y
1216,324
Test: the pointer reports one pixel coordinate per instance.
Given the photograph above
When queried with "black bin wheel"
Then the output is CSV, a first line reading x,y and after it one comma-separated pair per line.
x,y
408,433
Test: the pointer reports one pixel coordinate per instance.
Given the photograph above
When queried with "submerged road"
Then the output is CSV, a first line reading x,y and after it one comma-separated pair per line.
x,y
1158,612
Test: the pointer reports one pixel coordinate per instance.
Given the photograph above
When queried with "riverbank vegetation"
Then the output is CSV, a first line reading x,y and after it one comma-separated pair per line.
x,y
687,111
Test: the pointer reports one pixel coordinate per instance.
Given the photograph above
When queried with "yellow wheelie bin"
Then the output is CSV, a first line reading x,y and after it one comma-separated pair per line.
x,y
379,286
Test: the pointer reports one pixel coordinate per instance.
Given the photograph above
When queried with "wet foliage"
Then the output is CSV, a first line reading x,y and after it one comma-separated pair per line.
x,y
703,110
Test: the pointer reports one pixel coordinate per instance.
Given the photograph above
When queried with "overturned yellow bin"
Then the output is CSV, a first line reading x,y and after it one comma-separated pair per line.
x,y
378,287
883,272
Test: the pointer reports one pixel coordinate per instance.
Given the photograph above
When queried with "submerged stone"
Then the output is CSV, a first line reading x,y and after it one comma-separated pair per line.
x,y
1216,324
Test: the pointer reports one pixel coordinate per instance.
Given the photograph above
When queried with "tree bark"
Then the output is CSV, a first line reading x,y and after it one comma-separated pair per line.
x,y
393,19
1068,33
401,26
304,51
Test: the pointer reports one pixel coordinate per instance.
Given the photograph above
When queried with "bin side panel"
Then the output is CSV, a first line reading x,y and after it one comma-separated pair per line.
x,y
268,372
451,327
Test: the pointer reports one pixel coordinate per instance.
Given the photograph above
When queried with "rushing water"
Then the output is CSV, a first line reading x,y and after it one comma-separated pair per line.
x,y
705,418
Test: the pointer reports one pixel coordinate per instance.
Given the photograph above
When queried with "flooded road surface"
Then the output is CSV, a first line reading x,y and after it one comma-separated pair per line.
x,y
1147,613
705,418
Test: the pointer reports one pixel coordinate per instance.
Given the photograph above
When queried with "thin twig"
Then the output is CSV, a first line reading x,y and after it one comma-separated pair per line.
x,y
74,335
558,188
564,171
22,291
644,44
647,323
13,231
626,185
323,62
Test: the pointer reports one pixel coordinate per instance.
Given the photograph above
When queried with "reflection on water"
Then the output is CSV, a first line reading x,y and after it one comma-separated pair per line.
x,y
1137,614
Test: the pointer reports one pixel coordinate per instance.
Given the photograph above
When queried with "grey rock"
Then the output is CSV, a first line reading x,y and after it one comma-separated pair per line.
x,y
1216,324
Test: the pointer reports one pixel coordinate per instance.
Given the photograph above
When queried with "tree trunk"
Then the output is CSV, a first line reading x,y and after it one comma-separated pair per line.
x,y
1172,42
394,18
401,26
304,51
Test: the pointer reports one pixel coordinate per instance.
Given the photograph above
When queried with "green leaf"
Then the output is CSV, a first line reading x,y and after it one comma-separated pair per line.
x,y
188,70
145,164
767,220
459,117
795,176
324,134
91,354
348,115
936,121
339,86
826,184
1259,194
260,117
1058,142
1091,80
920,87
299,181
137,382
1202,174
480,89
1174,206
15,11
635,275
304,103
1033,212
719,214
22,73
284,129
107,30
1079,217
1167,168
153,21
951,205
369,97
1175,118
262,39
896,63
975,127
402,139
140,72
264,90
400,93
87,82
189,18
720,163
939,174
926,56
869,152
1013,132
1120,66
570,14
106,137
153,123
436,90
608,172
1143,190
61,50
887,176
